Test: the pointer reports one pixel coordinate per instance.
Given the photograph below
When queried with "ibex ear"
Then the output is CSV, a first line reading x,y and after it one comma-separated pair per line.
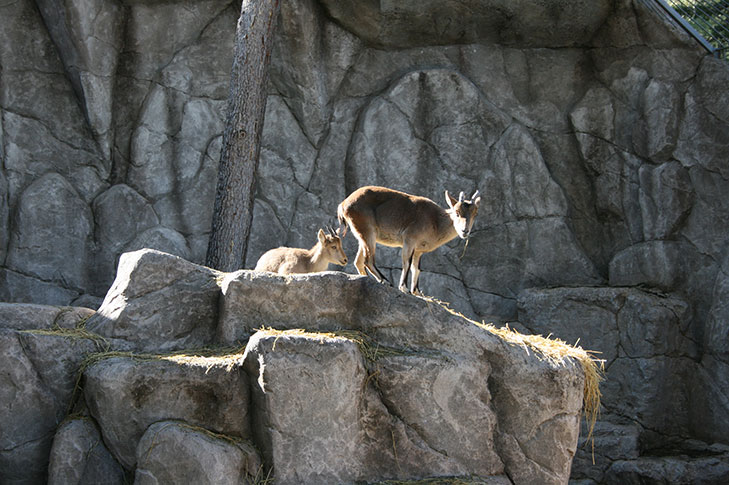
x,y
320,236
450,200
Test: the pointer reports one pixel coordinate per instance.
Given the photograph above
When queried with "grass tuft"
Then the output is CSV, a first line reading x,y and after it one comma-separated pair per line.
x,y
371,350
556,352
226,357
79,332
437,481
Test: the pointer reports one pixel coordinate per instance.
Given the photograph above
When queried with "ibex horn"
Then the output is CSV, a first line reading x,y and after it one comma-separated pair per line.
x,y
475,194
461,196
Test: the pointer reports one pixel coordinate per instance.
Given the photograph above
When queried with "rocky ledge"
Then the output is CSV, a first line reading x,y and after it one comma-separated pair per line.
x,y
321,378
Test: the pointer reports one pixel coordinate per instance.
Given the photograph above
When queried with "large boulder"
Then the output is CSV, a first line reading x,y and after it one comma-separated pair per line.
x,y
380,385
40,371
176,452
637,333
30,316
54,232
126,395
443,366
159,302
79,456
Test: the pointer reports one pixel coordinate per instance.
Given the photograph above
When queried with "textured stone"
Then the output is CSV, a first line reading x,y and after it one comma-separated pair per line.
x,y
702,139
451,347
32,316
314,435
119,214
597,133
412,132
88,37
79,456
4,212
666,196
159,302
678,469
612,321
36,388
126,396
54,228
653,263
610,442
162,239
659,121
412,23
175,452
648,354
20,288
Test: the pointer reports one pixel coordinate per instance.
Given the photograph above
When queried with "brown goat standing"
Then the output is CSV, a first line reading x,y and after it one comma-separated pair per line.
x,y
393,218
283,260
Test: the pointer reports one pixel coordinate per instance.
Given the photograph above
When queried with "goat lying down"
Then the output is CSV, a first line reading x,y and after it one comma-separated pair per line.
x,y
393,218
283,260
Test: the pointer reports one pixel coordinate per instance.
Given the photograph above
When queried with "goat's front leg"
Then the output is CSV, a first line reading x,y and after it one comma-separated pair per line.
x,y
407,256
416,274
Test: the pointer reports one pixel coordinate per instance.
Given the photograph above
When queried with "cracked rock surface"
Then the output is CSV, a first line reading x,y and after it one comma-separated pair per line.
x,y
401,389
597,133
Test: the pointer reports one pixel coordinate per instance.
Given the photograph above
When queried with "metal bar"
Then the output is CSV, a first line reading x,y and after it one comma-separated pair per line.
x,y
678,18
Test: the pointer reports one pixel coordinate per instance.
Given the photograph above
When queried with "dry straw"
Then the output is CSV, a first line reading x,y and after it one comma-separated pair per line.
x,y
72,333
370,349
437,481
556,352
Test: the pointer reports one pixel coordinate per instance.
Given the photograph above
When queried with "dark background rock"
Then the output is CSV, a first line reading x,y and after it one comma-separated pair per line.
x,y
37,385
597,133
79,456
125,396
171,451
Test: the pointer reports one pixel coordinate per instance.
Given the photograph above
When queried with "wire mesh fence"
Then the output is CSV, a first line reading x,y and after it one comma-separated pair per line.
x,y
710,19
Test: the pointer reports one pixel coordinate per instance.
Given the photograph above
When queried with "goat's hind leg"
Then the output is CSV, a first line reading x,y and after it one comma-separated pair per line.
x,y
370,265
365,260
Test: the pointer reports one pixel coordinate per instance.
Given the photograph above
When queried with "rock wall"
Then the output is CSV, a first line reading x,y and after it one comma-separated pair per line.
x,y
596,131
401,388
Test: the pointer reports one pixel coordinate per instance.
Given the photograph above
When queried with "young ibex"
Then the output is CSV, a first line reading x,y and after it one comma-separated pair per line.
x,y
396,219
283,260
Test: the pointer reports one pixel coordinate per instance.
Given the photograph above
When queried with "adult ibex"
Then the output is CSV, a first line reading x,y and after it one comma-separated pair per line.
x,y
396,219
283,260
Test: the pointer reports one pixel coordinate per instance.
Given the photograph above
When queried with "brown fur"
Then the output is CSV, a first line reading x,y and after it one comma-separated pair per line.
x,y
283,260
396,219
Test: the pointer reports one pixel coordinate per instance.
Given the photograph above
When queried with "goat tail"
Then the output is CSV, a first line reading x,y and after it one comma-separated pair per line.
x,y
342,222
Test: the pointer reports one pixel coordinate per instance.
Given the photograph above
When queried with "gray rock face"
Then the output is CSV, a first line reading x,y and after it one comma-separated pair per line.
x,y
115,229
311,431
36,388
55,228
638,334
79,456
149,314
31,317
403,389
411,23
170,451
439,360
597,133
126,396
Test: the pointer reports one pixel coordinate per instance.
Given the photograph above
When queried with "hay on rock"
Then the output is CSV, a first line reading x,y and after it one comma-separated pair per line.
x,y
556,352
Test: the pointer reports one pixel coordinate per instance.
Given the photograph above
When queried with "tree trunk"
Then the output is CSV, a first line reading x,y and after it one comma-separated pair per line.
x,y
233,211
